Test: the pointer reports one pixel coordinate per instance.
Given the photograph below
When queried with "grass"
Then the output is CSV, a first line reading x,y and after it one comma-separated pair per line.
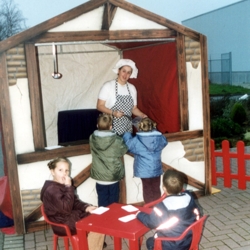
x,y
226,89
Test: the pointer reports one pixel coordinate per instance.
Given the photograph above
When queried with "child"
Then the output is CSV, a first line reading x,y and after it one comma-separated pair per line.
x,y
147,146
173,215
107,149
61,205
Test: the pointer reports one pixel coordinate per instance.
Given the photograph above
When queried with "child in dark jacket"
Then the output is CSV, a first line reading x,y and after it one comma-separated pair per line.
x,y
147,146
107,149
173,215
61,205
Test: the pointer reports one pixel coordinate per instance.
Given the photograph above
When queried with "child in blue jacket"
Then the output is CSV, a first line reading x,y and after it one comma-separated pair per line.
x,y
173,215
147,146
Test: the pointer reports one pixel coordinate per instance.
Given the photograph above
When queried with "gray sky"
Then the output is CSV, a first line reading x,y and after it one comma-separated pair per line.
x,y
176,10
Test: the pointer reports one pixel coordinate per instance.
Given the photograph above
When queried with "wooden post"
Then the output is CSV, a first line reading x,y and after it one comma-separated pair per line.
x,y
8,146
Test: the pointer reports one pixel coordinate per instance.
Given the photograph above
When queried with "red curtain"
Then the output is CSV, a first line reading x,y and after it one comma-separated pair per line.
x,y
5,200
157,84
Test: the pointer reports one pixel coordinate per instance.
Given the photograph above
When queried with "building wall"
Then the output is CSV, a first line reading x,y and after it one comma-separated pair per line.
x,y
227,30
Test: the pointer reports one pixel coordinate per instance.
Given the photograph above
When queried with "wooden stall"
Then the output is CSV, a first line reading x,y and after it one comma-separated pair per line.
x,y
172,86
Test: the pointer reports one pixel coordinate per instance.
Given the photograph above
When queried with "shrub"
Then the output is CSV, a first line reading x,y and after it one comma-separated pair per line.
x,y
238,113
218,105
224,127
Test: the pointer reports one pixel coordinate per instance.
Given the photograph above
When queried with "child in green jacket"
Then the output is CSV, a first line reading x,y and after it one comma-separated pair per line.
x,y
107,149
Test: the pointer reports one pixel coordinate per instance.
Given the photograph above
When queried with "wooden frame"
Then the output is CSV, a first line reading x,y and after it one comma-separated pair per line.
x,y
9,147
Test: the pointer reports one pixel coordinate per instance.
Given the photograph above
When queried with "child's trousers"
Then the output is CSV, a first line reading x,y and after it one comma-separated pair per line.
x,y
151,188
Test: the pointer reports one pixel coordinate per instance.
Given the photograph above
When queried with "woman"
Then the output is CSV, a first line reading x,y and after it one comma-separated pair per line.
x,y
119,97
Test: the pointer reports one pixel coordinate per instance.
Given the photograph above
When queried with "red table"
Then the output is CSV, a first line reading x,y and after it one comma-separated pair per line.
x,y
108,223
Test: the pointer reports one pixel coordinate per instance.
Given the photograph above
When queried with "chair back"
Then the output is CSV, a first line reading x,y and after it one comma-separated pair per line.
x,y
196,229
152,203
73,238
68,233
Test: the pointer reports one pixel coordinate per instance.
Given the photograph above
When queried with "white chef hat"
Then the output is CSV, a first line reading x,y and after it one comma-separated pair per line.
x,y
127,62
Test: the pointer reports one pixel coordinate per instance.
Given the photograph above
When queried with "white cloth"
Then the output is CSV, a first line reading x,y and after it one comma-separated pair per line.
x,y
107,93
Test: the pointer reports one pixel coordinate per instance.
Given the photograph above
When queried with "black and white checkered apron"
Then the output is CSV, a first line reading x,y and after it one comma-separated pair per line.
x,y
125,104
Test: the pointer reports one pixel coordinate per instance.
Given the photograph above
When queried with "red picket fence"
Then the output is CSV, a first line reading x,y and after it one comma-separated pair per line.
x,y
241,175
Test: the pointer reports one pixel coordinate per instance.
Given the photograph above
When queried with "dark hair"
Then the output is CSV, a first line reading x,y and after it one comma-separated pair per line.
x,y
104,121
146,124
52,163
173,181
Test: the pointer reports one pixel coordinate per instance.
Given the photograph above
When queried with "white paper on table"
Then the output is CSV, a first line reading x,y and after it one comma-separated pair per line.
x,y
129,208
100,210
127,218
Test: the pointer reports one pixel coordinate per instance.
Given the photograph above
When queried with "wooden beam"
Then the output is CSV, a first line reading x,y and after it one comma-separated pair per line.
x,y
185,135
86,7
36,226
102,35
49,24
84,148
190,180
108,15
9,146
51,154
206,114
33,216
82,176
183,89
35,94
156,18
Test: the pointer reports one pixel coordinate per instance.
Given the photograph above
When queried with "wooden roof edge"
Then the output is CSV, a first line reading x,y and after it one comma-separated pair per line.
x,y
156,18
49,24
86,7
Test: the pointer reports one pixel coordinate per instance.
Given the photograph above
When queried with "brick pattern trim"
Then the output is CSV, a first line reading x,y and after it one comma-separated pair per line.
x,y
193,51
30,200
194,149
16,64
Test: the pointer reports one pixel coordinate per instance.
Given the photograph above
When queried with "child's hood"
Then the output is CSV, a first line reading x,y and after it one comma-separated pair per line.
x,y
151,140
102,140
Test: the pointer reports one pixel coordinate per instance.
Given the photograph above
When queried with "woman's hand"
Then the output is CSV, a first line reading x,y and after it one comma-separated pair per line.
x,y
89,209
137,112
118,114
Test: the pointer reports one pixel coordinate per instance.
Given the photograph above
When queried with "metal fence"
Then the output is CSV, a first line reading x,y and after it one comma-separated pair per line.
x,y
220,71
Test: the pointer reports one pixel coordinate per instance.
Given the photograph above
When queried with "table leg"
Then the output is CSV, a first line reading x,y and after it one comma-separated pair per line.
x,y
117,243
134,244
83,241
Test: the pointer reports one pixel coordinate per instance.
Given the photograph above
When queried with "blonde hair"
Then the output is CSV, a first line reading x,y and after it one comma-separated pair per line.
x,y
173,181
104,122
52,163
146,124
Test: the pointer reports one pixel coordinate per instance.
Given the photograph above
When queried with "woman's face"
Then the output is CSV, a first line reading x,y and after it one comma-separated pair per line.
x,y
60,172
124,74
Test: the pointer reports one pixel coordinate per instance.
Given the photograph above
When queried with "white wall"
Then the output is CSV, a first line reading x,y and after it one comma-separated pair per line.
x,y
84,69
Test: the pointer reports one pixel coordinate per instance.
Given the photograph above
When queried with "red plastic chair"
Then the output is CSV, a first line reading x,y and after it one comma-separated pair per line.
x,y
196,229
152,203
72,238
